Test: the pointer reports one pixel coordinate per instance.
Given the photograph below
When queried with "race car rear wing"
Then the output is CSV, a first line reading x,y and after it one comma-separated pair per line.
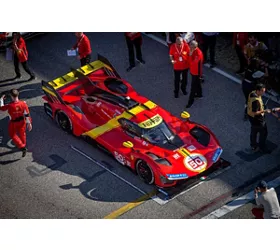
x,y
50,88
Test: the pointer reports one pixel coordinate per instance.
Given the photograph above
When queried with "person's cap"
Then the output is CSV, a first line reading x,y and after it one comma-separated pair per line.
x,y
262,184
258,74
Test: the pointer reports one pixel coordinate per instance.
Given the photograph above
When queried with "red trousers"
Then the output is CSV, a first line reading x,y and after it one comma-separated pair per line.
x,y
17,131
258,212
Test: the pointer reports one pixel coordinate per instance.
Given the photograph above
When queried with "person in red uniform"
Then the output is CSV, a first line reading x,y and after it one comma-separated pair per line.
x,y
84,48
240,39
196,62
21,56
19,118
179,56
134,40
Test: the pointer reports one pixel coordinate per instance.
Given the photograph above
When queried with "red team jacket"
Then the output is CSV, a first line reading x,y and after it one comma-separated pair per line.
x,y
133,35
177,53
17,110
83,45
196,62
240,39
20,50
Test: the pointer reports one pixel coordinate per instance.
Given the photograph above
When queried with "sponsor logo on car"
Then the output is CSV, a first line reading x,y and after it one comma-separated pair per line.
x,y
151,122
217,154
177,176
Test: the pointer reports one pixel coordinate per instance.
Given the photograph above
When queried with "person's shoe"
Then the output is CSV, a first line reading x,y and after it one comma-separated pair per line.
x,y
141,61
24,150
184,91
189,105
265,151
130,68
255,149
31,78
176,95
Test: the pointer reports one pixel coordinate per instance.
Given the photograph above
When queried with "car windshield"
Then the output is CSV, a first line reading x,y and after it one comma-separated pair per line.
x,y
160,134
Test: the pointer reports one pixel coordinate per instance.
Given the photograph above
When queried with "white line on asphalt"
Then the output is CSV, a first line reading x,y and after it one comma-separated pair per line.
x,y
217,70
10,144
239,202
102,166
154,198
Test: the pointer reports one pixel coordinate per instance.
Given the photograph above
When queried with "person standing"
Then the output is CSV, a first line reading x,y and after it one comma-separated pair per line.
x,y
84,48
209,41
134,40
268,202
256,114
240,39
179,56
20,55
19,118
196,62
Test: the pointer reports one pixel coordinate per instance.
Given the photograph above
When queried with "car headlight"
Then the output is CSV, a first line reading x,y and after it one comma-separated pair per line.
x,y
163,161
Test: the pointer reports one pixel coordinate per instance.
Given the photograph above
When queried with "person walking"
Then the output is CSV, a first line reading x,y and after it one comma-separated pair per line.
x,y
84,48
267,202
19,119
196,62
179,56
134,40
20,56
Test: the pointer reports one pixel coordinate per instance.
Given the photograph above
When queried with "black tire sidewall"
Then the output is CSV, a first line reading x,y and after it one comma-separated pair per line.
x,y
58,122
138,172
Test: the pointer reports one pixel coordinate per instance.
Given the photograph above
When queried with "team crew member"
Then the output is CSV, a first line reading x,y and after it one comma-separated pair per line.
x,y
196,62
240,39
19,117
20,55
84,48
179,56
268,202
256,113
134,40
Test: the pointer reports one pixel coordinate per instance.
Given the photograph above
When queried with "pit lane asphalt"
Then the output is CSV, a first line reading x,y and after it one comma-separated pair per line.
x,y
76,187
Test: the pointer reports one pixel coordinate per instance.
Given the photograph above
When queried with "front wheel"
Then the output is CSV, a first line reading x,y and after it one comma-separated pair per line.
x,y
64,122
145,172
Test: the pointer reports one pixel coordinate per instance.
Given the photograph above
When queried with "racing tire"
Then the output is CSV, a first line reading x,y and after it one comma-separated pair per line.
x,y
145,172
48,110
64,122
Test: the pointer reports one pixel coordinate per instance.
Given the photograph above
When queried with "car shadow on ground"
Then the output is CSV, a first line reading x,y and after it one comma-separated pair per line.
x,y
95,184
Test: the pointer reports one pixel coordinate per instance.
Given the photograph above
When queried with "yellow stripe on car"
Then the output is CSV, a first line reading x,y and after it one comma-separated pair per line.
x,y
69,77
113,123
48,91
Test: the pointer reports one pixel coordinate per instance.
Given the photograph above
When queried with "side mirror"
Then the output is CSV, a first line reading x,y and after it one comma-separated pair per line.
x,y
185,115
128,144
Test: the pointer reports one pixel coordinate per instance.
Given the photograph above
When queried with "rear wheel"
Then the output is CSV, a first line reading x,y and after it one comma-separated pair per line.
x,y
64,122
145,172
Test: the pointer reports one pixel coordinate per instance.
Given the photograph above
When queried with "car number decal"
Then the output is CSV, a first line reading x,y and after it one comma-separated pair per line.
x,y
195,162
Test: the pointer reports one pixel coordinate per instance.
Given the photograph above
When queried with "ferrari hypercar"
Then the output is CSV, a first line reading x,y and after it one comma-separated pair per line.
x,y
94,102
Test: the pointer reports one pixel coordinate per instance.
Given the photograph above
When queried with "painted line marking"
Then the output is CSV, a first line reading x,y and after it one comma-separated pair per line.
x,y
115,214
111,172
239,202
274,96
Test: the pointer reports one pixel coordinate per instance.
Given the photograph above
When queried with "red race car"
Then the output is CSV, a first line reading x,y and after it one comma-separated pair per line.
x,y
95,103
